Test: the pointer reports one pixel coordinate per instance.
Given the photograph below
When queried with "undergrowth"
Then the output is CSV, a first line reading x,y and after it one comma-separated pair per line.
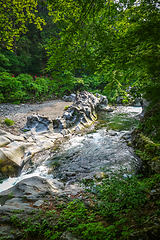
x,y
111,209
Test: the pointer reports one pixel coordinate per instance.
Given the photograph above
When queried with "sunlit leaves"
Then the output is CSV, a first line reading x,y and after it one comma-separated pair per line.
x,y
14,16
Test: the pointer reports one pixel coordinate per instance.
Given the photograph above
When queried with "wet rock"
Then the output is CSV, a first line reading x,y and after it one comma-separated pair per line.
x,y
136,102
82,157
109,110
119,100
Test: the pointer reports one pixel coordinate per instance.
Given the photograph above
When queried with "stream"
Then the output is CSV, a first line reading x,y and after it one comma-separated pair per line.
x,y
88,154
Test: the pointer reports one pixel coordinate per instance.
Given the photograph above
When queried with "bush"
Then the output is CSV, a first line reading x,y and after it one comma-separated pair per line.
x,y
11,89
24,87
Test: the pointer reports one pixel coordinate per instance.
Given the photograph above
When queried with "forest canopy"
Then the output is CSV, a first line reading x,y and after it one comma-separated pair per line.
x,y
15,14
114,40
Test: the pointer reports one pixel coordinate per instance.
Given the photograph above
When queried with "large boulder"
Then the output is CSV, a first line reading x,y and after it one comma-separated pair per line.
x,y
82,112
15,151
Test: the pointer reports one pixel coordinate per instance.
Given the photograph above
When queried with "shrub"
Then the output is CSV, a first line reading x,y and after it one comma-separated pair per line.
x,y
11,89
24,87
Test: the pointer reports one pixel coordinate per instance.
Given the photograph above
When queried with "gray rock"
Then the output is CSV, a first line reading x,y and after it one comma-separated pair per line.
x,y
69,236
84,157
29,186
38,203
82,112
119,100
39,123
70,98
9,232
144,104
137,102
109,110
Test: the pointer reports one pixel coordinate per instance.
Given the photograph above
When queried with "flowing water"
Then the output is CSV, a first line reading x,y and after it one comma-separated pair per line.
x,y
88,154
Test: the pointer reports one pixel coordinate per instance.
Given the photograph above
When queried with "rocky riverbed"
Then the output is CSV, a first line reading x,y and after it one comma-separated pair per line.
x,y
19,113
52,174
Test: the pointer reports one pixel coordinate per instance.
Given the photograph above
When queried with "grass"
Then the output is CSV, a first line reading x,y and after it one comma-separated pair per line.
x,y
66,107
8,122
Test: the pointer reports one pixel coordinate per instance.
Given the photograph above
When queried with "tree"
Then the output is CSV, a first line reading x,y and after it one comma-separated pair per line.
x,y
14,15
102,36
108,37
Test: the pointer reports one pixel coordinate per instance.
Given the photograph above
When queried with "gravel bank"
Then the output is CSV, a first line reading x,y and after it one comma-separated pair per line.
x,y
19,113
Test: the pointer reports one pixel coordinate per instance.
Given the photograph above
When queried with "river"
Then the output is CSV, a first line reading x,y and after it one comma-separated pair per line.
x,y
102,148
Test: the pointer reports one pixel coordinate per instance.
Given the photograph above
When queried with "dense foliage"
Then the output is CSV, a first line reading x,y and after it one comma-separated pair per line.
x,y
110,41
24,87
85,38
14,16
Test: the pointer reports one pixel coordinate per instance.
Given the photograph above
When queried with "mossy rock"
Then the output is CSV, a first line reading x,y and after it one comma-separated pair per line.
x,y
150,123
7,169
148,151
